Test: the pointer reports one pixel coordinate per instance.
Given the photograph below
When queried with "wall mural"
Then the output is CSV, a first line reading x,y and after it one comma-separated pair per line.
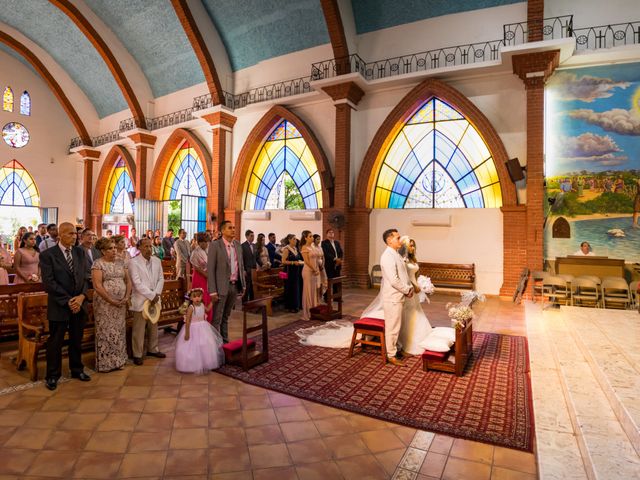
x,y
592,164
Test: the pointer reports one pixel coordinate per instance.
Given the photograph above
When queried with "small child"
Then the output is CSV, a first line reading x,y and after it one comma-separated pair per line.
x,y
199,345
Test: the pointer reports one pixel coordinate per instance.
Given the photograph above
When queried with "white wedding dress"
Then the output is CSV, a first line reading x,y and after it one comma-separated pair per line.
x,y
337,334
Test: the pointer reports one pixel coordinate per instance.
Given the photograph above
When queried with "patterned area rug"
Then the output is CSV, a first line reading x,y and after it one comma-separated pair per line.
x,y
491,403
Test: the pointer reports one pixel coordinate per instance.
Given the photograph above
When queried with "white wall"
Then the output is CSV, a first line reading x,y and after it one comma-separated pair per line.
x,y
45,156
590,13
280,224
475,236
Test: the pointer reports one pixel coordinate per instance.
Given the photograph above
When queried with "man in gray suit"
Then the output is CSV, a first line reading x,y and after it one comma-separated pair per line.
x,y
183,251
225,276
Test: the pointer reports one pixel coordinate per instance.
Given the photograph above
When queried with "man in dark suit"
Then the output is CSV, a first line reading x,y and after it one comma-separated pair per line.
x,y
333,255
65,276
274,257
167,244
225,278
250,264
88,241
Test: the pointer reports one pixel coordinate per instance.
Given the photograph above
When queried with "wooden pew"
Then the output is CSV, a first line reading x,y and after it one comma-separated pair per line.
x,y
9,306
450,275
33,325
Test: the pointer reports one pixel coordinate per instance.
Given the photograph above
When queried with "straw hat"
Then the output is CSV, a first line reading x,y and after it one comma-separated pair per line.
x,y
151,311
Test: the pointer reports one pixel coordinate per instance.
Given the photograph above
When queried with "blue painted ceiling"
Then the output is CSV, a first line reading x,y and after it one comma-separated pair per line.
x,y
256,30
153,35
53,31
372,15
10,51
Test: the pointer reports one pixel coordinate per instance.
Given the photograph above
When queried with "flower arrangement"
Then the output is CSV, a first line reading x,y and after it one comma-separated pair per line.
x,y
461,313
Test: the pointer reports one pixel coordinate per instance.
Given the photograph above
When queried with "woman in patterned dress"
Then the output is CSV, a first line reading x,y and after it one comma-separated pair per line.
x,y
112,292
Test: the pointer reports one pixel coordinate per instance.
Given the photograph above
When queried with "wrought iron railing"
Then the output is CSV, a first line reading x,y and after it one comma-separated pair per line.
x,y
286,88
546,29
105,138
338,66
75,143
607,36
169,119
127,124
206,101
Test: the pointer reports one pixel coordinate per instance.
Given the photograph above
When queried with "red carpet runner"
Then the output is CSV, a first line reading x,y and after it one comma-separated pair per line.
x,y
491,403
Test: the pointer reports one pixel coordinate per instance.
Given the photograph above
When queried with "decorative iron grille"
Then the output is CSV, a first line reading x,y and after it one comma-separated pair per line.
x,y
546,29
607,36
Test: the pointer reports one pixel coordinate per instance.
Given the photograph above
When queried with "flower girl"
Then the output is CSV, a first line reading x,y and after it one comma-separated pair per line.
x,y
199,345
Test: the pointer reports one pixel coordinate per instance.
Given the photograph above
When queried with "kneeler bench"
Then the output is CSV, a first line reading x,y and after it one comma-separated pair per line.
x,y
369,327
243,352
460,352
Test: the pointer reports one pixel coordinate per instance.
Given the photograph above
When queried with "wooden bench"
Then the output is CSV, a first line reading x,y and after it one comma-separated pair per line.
x,y
267,283
33,325
9,307
450,275
461,351
169,269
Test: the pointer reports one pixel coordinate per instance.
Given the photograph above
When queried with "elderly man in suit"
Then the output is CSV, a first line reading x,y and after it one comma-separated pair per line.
x,y
182,249
147,280
249,260
65,277
225,277
88,241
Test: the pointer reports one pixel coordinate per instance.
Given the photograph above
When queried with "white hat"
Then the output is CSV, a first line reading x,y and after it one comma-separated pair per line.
x,y
151,311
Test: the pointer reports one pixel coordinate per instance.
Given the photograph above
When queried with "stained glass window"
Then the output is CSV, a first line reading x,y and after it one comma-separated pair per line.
x,y
25,103
119,186
17,187
185,175
438,160
7,100
285,174
15,135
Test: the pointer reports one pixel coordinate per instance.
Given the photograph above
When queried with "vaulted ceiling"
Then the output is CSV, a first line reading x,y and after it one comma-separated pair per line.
x,y
121,53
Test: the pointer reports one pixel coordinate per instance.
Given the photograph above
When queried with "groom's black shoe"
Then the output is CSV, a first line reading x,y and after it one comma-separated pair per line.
x,y
395,361
402,355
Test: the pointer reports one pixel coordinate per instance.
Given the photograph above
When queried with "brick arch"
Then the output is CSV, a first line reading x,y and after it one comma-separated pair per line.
x,y
253,144
100,191
169,150
385,135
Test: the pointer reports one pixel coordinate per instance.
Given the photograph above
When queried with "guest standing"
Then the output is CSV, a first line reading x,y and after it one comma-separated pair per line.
x,y
113,290
274,251
121,249
51,239
333,255
262,254
87,241
26,260
17,240
292,261
158,249
65,278
182,249
133,239
322,281
167,244
42,234
249,260
310,274
147,281
5,262
199,263
225,276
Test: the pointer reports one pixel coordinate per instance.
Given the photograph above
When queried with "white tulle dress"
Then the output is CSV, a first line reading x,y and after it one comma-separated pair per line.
x,y
337,334
203,351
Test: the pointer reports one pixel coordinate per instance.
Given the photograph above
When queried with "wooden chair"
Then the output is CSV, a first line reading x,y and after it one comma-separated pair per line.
x,y
326,312
615,292
633,293
585,292
461,350
243,351
369,327
33,328
538,277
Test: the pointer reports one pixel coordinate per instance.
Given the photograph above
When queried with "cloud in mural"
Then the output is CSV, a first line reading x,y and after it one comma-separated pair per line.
x,y
586,88
598,149
617,120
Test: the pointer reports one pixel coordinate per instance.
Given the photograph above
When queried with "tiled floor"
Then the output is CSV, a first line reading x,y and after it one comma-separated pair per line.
x,y
152,422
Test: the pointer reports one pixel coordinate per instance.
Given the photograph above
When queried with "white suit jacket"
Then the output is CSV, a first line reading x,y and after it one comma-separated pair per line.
x,y
146,285
396,283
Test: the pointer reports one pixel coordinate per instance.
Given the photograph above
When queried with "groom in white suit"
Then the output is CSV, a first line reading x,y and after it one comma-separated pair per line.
x,y
396,287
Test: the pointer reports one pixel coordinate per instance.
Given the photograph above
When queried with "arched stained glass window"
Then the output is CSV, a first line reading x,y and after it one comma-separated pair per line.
x,y
438,160
119,186
185,175
25,103
285,174
17,187
7,100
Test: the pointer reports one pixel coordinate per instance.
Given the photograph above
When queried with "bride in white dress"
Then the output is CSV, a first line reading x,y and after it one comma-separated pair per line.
x,y
415,324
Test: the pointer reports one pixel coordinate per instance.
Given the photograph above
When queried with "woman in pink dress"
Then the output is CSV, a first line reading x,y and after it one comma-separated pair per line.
x,y
5,262
310,275
199,261
27,260
18,238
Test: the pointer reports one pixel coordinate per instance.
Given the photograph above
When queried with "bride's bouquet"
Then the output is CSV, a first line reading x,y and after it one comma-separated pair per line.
x,y
426,288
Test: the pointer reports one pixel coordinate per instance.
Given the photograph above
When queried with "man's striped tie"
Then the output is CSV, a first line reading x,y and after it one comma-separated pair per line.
x,y
67,253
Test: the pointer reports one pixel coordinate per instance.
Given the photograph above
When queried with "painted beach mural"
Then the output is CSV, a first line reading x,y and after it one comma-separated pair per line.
x,y
592,166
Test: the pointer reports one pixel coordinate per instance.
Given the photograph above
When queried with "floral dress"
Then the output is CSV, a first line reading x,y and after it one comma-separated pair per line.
x,y
111,328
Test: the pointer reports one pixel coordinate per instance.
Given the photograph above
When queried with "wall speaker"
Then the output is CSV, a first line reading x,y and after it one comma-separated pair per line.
x,y
132,196
516,172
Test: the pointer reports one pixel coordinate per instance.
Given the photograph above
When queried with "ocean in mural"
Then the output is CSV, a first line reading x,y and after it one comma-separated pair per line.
x,y
592,161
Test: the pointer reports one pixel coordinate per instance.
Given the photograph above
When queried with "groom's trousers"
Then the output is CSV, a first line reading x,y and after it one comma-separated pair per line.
x,y
392,321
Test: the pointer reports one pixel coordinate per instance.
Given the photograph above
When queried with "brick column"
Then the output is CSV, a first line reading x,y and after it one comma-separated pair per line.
x,y
534,69
535,20
345,96
514,240
89,157
222,123
143,142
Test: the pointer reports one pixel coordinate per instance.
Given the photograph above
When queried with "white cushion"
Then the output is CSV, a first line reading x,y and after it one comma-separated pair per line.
x,y
436,344
445,332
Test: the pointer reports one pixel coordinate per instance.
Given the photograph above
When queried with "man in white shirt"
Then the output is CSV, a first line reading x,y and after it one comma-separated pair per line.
x,y
585,250
51,240
147,280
